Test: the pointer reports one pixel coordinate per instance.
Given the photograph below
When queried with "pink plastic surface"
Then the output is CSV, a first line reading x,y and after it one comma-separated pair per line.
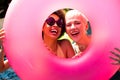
x,y
32,61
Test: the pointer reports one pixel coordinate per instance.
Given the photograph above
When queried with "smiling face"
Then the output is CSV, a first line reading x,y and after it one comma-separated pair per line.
x,y
51,28
76,25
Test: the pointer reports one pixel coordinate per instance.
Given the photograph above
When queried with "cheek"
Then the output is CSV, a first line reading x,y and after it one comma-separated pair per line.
x,y
46,30
82,28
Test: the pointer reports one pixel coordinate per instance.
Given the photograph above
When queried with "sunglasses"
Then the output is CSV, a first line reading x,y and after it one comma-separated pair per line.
x,y
51,21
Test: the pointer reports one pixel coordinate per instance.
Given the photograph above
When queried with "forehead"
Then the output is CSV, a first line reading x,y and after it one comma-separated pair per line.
x,y
72,16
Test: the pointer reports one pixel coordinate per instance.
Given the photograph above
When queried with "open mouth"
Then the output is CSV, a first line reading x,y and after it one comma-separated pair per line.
x,y
74,33
54,31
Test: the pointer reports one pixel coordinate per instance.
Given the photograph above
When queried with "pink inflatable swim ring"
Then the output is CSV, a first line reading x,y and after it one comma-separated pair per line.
x,y
31,60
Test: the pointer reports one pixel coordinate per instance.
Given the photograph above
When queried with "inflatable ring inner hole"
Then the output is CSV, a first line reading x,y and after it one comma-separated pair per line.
x,y
66,33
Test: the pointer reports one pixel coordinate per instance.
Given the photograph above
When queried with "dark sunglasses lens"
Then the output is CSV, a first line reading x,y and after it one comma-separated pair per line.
x,y
50,21
60,23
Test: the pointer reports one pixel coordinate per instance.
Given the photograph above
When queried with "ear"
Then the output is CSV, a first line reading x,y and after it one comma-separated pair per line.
x,y
86,26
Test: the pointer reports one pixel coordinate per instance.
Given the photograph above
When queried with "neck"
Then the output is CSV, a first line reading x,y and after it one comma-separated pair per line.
x,y
51,43
83,43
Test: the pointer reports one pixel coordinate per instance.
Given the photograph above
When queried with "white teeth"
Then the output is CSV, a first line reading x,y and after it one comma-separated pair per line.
x,y
53,30
74,32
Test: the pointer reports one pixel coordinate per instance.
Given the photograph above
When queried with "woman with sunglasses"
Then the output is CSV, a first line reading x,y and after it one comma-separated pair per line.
x,y
53,29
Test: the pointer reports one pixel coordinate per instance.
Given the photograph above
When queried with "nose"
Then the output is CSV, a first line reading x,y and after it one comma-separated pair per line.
x,y
55,24
73,26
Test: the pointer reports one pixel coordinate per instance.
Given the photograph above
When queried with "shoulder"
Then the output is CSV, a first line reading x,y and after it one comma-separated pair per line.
x,y
64,41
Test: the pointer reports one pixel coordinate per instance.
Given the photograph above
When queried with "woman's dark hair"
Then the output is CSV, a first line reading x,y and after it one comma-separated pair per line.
x,y
61,14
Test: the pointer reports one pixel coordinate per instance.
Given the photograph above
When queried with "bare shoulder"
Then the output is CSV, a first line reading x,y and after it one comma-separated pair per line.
x,y
64,42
